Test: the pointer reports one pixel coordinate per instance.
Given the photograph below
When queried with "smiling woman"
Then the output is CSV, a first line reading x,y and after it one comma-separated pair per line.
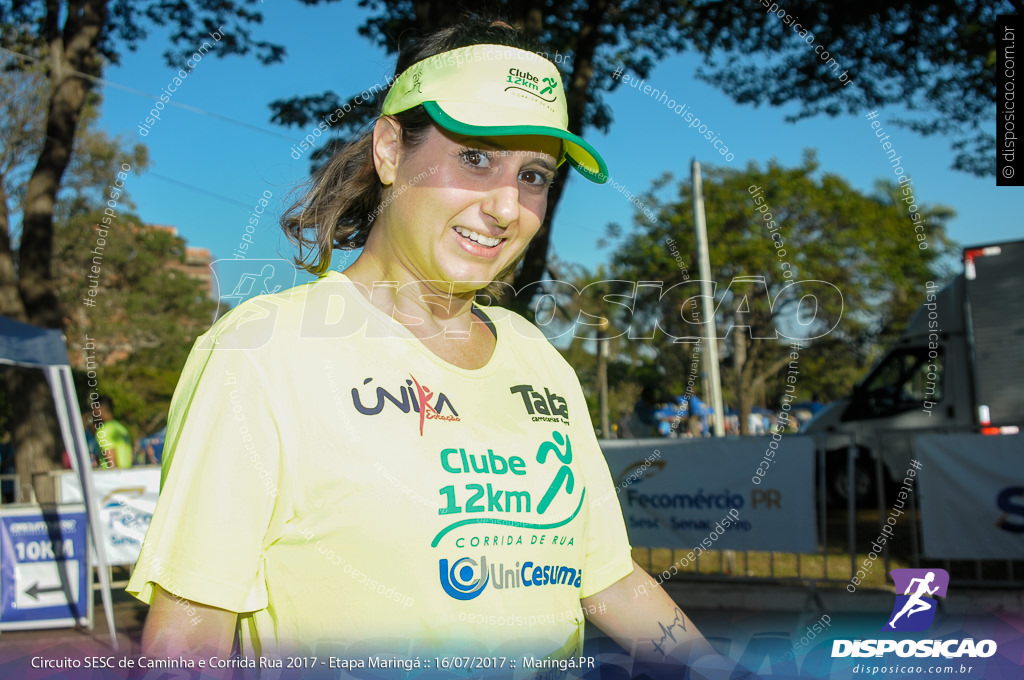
x,y
393,362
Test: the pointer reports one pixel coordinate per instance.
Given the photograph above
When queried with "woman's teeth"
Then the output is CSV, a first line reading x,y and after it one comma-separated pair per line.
x,y
479,238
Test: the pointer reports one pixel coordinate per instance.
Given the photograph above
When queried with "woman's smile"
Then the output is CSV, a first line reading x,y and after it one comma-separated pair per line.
x,y
478,244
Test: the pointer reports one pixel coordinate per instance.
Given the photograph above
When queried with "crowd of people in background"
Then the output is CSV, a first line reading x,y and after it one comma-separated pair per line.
x,y
110,443
108,440
688,417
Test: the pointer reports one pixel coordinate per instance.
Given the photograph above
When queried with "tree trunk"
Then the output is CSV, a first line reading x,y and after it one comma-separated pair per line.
x,y
602,380
10,300
576,90
536,257
73,49
743,392
35,431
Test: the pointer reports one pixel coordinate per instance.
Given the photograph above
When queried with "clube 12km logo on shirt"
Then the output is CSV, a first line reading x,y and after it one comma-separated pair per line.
x,y
914,611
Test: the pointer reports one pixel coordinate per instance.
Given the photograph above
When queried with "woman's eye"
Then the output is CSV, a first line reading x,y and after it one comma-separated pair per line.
x,y
475,158
535,178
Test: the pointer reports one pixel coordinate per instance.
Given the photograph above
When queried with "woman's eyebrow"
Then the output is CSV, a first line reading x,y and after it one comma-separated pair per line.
x,y
480,141
490,143
544,164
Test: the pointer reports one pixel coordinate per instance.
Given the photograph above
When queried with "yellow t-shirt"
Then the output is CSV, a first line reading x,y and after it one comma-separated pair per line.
x,y
113,435
344,488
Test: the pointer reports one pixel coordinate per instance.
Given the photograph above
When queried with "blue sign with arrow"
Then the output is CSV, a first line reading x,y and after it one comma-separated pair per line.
x,y
45,575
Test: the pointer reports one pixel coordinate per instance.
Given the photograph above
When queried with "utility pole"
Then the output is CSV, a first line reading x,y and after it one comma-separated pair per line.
x,y
708,300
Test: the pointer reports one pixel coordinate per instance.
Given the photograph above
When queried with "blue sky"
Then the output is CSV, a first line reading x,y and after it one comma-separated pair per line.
x,y
207,173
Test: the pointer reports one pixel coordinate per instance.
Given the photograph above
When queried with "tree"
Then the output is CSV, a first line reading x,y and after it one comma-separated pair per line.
x,y
94,161
936,58
73,40
787,246
588,316
23,97
948,77
139,329
588,39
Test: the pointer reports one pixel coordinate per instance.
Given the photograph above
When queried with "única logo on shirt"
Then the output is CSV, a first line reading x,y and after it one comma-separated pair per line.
x,y
414,397
463,581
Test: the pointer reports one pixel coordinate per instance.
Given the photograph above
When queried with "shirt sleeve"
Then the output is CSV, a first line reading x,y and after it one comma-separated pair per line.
x,y
608,558
219,485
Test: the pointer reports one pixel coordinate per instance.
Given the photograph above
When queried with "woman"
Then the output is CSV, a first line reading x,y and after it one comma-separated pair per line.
x,y
372,458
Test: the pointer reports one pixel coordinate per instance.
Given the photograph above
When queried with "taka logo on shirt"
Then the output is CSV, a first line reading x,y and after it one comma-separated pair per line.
x,y
548,406
414,397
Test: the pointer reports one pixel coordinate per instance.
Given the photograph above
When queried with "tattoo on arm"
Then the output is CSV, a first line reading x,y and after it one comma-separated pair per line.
x,y
679,622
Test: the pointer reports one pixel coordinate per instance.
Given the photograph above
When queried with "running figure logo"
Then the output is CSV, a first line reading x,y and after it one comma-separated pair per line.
x,y
915,608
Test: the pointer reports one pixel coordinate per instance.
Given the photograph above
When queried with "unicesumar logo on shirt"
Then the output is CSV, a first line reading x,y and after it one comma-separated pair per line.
x,y
462,582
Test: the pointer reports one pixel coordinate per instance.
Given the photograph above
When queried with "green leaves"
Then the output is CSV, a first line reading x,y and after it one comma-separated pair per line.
x,y
776,226
935,58
145,316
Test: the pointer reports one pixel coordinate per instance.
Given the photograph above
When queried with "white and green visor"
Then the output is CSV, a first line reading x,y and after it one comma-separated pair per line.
x,y
493,91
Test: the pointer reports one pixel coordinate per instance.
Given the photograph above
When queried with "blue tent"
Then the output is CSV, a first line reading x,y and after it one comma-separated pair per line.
x,y
668,412
28,346
694,405
688,406
812,406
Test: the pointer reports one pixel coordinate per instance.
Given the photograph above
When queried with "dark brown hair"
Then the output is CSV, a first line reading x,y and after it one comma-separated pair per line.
x,y
338,205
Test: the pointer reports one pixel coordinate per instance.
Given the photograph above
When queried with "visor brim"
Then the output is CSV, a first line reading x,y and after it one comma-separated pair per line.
x,y
580,154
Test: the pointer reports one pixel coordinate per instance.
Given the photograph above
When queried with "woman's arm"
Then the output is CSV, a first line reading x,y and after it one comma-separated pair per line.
x,y
179,627
640,616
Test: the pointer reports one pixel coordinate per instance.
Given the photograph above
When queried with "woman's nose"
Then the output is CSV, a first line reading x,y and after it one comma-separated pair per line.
x,y
502,202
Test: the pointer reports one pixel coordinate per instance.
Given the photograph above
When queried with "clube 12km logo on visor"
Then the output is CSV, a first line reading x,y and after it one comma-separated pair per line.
x,y
914,611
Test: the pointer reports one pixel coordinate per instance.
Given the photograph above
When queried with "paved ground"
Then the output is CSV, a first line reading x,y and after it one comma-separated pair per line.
x,y
129,615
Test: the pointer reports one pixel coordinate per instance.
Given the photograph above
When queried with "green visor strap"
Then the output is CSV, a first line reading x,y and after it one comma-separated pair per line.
x,y
494,91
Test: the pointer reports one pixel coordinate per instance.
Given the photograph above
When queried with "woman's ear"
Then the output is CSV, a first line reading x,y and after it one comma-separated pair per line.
x,y
386,137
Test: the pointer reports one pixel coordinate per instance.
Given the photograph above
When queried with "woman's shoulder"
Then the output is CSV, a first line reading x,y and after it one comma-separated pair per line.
x,y
527,339
278,317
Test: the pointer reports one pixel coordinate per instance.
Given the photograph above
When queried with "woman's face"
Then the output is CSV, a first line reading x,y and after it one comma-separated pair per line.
x,y
460,209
